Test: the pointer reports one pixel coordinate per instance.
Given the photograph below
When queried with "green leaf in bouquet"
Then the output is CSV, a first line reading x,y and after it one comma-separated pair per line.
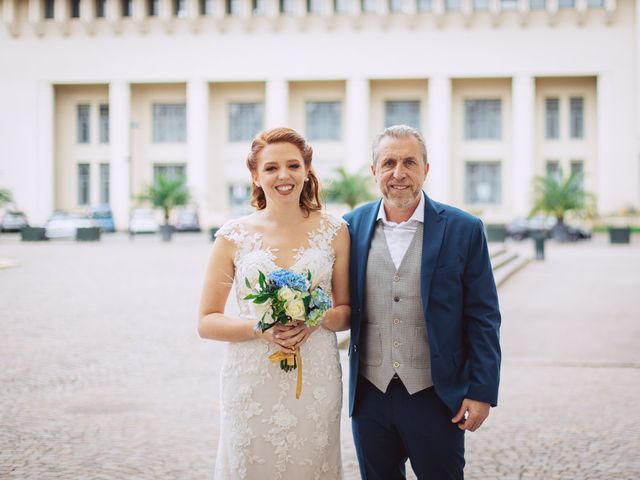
x,y
261,279
261,298
309,275
306,300
246,282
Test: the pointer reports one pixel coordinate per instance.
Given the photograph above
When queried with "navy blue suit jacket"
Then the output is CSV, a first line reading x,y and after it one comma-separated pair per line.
x,y
459,300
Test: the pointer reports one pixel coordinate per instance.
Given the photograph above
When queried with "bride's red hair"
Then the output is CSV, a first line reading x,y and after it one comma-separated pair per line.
x,y
310,195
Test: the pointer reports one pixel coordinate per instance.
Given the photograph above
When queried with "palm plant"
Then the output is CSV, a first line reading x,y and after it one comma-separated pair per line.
x,y
557,195
348,188
167,193
5,196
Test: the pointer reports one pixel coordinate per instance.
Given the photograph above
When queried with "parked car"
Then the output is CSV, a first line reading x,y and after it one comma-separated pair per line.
x,y
103,217
187,221
13,221
65,224
522,228
143,220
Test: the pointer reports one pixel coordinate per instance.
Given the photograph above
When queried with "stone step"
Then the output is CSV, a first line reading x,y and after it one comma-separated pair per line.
x,y
510,268
502,259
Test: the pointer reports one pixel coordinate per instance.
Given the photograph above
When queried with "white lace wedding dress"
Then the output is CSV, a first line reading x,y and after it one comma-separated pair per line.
x,y
265,433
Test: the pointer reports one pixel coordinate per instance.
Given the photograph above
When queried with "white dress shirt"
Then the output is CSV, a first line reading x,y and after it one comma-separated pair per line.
x,y
399,235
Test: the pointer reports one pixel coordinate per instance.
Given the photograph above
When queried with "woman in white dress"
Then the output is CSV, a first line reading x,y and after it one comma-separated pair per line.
x,y
265,432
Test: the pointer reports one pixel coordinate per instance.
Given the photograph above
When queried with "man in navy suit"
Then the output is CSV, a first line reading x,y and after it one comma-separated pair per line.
x,y
424,352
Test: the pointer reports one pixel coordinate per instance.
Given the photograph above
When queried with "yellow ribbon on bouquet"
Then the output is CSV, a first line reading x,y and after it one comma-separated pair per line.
x,y
292,359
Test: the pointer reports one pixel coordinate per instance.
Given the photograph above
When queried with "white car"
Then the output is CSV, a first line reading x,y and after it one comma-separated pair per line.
x,y
143,220
65,224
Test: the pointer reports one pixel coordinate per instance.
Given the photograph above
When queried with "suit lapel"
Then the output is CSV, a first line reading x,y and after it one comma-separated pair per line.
x,y
365,235
434,227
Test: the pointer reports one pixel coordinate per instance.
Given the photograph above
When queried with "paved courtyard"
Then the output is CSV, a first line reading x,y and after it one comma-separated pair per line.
x,y
103,375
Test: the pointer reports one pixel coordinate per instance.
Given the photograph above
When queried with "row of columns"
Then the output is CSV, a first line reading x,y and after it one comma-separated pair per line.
x,y
357,137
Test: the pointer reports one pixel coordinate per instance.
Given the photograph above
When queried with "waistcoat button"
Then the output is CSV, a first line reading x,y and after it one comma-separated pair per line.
x,y
396,278
396,321
396,364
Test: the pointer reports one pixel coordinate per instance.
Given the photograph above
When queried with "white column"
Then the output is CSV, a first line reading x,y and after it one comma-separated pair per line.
x,y
522,170
637,93
439,139
120,189
197,128
356,132
277,103
45,178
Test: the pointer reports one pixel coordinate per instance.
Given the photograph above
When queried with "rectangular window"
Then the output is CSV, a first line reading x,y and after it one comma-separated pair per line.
x,y
402,112
452,5
566,3
576,117
245,121
287,7
104,123
169,123
75,8
553,169
101,8
104,183
83,184
259,7
239,195
207,7
369,6
552,118
483,183
315,7
323,120
153,8
396,6
127,8
537,4
49,10
480,5
595,3
577,169
424,5
341,6
483,119
84,125
233,7
509,5
171,171
180,8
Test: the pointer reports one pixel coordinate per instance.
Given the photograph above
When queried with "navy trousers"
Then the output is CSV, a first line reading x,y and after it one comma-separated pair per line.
x,y
390,427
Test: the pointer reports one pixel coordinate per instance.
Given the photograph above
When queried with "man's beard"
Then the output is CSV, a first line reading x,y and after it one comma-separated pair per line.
x,y
401,202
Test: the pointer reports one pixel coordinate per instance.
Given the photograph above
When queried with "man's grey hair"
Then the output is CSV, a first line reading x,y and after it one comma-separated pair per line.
x,y
399,131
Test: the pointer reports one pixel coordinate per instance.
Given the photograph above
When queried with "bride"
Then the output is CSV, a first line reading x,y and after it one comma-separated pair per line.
x,y
265,432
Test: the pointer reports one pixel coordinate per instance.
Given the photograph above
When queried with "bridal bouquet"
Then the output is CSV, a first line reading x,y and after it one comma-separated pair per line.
x,y
282,297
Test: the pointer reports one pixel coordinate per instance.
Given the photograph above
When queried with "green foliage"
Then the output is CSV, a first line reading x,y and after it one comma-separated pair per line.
x,y
5,196
167,193
349,188
557,196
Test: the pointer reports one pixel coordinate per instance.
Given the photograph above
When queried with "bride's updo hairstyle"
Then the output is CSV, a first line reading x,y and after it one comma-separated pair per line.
x,y
310,195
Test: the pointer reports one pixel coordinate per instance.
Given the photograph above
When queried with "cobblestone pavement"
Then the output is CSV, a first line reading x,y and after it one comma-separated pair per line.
x,y
104,377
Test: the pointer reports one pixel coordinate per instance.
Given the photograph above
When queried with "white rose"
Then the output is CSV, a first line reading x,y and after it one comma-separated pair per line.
x,y
295,309
286,294
262,308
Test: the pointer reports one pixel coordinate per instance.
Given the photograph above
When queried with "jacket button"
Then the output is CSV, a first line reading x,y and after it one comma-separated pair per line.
x,y
355,348
396,299
396,364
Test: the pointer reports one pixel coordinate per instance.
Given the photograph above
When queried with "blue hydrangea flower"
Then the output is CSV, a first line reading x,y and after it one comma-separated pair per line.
x,y
282,277
319,299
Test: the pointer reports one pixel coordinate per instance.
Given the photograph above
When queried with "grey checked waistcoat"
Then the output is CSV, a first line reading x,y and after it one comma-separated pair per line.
x,y
394,335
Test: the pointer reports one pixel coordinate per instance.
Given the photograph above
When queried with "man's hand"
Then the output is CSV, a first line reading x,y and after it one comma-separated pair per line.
x,y
477,413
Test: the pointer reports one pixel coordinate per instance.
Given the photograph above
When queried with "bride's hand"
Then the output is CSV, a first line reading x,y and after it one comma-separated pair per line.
x,y
273,335
296,335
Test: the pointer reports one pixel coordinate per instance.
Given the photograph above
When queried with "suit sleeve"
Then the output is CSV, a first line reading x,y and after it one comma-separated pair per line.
x,y
481,313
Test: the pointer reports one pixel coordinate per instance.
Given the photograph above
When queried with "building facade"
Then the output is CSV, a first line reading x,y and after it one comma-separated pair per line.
x,y
98,97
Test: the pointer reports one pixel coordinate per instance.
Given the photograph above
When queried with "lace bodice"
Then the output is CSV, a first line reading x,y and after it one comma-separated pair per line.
x,y
265,432
252,256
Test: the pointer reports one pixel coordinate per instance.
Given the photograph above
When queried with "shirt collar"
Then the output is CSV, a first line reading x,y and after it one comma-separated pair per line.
x,y
418,214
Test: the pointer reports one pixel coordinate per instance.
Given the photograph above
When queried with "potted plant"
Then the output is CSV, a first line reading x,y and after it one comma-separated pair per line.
x,y
167,193
348,188
557,196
